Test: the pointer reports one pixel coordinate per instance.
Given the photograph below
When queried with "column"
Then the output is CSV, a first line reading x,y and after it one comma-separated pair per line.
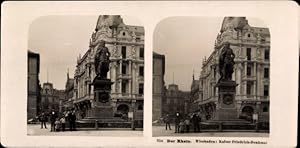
x,y
113,77
238,79
133,118
120,80
254,90
133,78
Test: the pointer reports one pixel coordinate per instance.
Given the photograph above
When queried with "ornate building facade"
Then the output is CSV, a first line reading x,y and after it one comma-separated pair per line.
x,y
158,86
126,70
33,88
251,46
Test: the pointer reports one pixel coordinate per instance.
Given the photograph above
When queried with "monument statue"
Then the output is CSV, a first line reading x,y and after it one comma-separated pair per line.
x,y
102,60
226,62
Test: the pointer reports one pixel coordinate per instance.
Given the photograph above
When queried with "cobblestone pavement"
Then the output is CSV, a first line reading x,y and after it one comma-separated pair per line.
x,y
35,130
158,131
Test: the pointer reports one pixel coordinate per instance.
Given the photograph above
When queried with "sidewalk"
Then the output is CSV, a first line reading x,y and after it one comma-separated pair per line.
x,y
35,130
158,131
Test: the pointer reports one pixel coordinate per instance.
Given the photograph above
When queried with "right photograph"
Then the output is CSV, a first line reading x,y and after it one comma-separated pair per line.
x,y
211,77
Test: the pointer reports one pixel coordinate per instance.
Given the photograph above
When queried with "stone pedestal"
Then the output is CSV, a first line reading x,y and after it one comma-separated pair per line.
x,y
102,108
226,108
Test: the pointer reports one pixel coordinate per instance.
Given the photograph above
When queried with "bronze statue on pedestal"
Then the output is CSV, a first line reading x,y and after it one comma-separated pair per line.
x,y
102,60
226,62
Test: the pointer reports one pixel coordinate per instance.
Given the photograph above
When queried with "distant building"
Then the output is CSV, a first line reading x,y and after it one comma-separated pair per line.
x,y
33,88
158,85
175,100
51,98
251,46
126,45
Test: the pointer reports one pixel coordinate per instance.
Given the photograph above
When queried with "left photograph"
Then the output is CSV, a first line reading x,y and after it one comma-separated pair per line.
x,y
85,76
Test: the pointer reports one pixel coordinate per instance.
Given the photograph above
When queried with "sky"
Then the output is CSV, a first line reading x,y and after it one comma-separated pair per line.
x,y
185,41
59,40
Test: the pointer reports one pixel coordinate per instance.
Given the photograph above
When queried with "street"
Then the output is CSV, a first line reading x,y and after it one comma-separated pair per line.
x,y
160,130
35,130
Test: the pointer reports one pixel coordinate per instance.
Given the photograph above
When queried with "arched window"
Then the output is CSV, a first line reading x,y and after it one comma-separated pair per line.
x,y
248,110
124,33
123,108
249,35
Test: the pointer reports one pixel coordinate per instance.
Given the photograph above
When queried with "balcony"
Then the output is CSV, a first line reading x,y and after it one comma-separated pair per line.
x,y
249,77
124,76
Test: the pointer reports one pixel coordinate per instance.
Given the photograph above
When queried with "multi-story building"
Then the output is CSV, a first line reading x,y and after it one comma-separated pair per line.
x,y
33,88
158,85
51,98
126,70
251,46
175,101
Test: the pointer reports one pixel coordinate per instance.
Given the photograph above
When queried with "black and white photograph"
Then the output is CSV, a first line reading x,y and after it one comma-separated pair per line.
x,y
211,77
149,74
85,76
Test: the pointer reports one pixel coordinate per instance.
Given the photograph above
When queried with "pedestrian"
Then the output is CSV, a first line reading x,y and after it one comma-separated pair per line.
x,y
187,124
72,120
199,123
43,120
195,121
52,120
177,121
167,121
181,126
63,122
57,125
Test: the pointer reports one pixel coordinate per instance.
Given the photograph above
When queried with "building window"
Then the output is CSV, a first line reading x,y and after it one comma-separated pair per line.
x,y
267,54
124,33
265,109
124,69
141,71
249,35
123,52
248,88
248,70
215,72
248,54
266,73
266,90
141,89
141,52
123,87
140,107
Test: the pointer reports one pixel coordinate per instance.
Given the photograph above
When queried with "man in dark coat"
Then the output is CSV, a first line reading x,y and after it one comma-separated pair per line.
x,y
72,120
196,122
43,120
177,121
53,117
167,121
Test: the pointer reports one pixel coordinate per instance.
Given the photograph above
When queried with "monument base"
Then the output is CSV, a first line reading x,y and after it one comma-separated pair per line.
x,y
226,105
102,108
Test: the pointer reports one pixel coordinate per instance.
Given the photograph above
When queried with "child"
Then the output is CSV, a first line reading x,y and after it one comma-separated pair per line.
x,y
57,124
181,126
63,123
